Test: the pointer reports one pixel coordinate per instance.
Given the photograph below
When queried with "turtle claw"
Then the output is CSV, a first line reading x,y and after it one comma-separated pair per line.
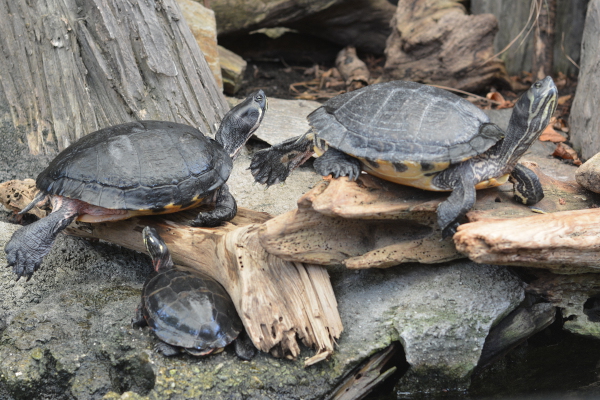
x,y
450,230
23,263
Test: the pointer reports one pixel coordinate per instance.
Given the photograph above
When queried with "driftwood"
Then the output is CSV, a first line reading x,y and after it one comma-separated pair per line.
x,y
438,43
70,67
376,224
353,69
279,302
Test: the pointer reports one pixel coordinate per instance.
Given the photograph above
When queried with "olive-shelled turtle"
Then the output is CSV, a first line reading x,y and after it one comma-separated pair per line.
x,y
421,136
187,310
136,168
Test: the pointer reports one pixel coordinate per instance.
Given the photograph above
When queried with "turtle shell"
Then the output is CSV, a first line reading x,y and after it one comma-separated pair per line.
x,y
403,121
144,165
190,310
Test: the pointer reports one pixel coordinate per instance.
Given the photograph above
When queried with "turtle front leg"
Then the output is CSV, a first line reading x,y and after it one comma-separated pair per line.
x,y
225,209
461,200
29,245
336,163
274,165
527,186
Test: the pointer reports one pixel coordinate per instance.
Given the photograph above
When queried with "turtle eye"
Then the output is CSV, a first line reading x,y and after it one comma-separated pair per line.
x,y
258,97
537,85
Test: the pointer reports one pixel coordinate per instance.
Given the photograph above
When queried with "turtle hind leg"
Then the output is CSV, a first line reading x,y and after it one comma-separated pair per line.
x,y
527,186
274,165
166,349
225,209
336,163
461,200
244,348
29,245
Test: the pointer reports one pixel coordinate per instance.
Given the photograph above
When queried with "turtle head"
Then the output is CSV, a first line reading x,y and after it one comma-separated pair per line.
x,y
240,122
535,107
161,257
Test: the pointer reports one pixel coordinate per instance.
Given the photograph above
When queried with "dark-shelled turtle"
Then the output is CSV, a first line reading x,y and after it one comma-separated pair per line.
x,y
137,168
187,310
420,136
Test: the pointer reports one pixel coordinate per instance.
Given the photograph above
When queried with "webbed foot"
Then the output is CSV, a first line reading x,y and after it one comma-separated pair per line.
x,y
274,165
336,163
225,209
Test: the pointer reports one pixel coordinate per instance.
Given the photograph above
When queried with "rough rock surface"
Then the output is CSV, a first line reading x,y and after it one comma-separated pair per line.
x,y
584,120
588,174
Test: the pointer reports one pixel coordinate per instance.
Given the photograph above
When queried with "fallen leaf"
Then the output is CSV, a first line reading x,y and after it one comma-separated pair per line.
x,y
563,99
550,135
566,152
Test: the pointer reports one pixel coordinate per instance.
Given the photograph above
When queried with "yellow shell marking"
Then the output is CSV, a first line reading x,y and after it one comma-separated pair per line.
x,y
413,175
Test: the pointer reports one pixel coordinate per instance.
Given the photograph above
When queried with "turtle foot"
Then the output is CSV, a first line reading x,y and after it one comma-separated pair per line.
x,y
244,348
166,349
450,230
206,220
335,163
22,253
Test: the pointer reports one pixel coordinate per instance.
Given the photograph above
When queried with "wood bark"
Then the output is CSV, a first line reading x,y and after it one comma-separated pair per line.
x,y
543,40
69,68
584,120
279,302
437,43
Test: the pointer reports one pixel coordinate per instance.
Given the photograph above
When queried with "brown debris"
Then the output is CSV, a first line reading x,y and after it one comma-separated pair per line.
x,y
565,152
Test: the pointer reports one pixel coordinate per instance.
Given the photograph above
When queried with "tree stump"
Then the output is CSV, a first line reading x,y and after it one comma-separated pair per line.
x,y
70,68
279,302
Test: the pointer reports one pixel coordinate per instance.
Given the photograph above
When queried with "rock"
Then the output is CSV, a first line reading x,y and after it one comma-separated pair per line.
x,y
584,120
437,43
203,25
570,18
232,70
577,297
588,175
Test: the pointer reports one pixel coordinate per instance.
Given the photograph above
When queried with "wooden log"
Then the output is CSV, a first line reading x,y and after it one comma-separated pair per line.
x,y
70,68
353,69
372,223
279,302
566,242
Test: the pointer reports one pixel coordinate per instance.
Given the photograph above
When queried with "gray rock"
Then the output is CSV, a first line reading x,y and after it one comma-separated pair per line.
x,y
588,174
585,119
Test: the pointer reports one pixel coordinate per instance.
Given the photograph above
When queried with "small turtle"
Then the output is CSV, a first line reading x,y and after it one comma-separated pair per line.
x,y
137,168
187,310
421,136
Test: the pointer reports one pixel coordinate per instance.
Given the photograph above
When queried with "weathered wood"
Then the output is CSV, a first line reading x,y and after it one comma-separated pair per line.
x,y
353,69
566,242
279,302
69,68
584,120
232,70
543,39
371,223
437,43
588,175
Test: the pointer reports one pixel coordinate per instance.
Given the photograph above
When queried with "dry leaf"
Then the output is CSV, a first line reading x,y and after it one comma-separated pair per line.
x,y
551,135
566,152
563,99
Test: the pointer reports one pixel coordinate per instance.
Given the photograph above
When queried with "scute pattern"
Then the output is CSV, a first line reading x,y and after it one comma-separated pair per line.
x,y
190,310
397,121
139,165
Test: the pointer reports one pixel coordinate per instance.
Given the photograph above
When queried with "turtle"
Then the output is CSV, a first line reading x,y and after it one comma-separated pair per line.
x,y
186,309
136,168
418,135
